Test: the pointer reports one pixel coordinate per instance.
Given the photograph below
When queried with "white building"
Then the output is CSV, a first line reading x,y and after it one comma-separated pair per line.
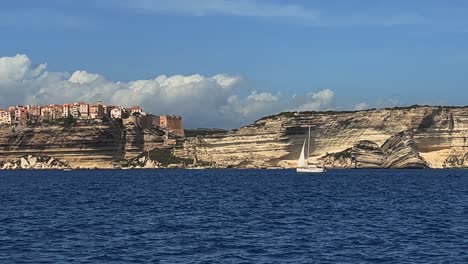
x,y
75,111
118,113
66,110
5,117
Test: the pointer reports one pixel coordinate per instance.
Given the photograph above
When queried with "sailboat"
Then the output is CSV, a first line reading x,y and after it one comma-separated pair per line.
x,y
303,165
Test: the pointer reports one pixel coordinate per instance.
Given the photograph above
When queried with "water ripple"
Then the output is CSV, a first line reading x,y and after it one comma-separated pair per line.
x,y
234,216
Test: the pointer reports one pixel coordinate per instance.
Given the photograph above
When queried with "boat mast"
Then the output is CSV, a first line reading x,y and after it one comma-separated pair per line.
x,y
308,147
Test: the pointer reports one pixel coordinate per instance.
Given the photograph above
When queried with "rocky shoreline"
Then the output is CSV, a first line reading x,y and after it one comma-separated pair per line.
x,y
34,162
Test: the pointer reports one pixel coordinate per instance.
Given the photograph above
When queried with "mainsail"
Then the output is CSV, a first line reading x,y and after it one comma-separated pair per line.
x,y
302,161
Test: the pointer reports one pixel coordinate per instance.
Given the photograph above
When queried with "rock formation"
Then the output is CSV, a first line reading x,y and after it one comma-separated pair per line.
x,y
432,134
364,154
367,154
456,161
402,152
399,151
339,160
409,137
99,146
157,158
34,162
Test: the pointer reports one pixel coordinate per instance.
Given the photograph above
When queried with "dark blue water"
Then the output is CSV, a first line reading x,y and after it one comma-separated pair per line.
x,y
233,216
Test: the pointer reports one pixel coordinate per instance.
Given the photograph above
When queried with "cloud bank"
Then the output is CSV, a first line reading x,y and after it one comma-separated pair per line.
x,y
204,101
361,16
247,8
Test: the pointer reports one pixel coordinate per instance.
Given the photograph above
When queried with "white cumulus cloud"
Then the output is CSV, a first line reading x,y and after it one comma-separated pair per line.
x,y
83,77
204,101
316,101
18,68
361,106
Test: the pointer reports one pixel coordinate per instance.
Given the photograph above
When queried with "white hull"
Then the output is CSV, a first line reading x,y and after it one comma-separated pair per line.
x,y
310,170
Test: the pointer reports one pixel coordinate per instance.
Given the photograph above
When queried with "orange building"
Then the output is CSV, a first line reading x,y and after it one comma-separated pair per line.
x,y
172,122
21,114
34,111
52,111
155,120
96,111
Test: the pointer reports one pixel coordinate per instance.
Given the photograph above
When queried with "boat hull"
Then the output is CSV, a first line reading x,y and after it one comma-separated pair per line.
x,y
310,170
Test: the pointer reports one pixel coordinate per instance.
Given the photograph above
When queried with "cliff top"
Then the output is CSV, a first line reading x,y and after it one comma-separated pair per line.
x,y
290,114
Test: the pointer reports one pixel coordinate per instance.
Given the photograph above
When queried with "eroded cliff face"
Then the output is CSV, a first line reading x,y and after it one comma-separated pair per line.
x,y
255,146
364,154
399,151
413,137
80,146
431,135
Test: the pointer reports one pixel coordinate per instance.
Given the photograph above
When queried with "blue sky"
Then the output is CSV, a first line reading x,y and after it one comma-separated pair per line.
x,y
377,53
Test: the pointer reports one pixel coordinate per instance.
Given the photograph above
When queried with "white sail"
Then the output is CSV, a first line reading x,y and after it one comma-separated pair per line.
x,y
302,161
303,164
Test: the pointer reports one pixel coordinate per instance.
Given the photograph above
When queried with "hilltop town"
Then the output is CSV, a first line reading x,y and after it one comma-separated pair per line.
x,y
85,113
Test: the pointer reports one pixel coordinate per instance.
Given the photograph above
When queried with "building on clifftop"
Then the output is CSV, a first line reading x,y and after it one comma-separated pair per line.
x,y
5,117
172,122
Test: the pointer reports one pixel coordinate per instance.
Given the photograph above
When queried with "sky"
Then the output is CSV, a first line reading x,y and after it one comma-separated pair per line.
x,y
225,63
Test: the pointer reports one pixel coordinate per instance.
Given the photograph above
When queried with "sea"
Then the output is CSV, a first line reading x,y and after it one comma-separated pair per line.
x,y
234,216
